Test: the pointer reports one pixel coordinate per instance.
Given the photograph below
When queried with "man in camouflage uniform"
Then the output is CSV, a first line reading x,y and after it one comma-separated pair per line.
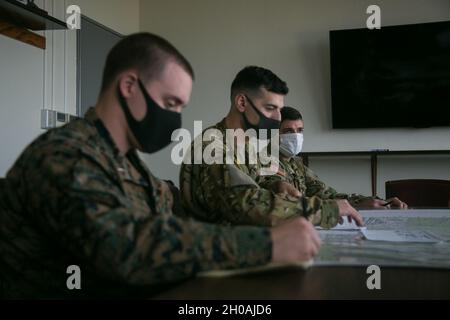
x,y
79,195
293,170
236,192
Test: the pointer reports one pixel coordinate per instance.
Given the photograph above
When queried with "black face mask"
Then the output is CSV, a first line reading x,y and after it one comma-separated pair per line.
x,y
154,132
264,122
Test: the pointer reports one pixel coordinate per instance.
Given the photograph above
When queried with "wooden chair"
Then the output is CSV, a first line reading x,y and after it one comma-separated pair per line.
x,y
420,192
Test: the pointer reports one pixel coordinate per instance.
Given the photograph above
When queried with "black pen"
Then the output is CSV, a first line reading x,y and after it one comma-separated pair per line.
x,y
387,203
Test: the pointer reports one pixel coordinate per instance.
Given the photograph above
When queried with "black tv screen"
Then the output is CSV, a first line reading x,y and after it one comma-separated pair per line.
x,y
396,76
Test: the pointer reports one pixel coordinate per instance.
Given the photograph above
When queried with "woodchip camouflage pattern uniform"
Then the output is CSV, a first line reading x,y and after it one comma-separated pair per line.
x,y
72,199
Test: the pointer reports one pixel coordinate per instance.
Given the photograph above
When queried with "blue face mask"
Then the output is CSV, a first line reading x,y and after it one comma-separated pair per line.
x,y
154,132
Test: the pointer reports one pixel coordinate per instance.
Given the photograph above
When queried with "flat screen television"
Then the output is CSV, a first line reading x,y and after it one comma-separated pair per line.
x,y
396,76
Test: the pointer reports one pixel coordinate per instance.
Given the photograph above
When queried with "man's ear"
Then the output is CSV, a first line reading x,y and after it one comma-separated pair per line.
x,y
239,102
128,84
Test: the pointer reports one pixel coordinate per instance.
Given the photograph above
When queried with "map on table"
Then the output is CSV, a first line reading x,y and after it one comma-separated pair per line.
x,y
416,238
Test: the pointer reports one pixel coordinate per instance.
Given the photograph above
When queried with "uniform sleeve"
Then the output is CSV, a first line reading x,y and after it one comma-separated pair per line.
x,y
98,225
315,187
224,192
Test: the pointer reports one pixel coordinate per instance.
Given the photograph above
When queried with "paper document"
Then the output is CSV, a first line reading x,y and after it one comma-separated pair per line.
x,y
345,226
268,267
409,213
400,236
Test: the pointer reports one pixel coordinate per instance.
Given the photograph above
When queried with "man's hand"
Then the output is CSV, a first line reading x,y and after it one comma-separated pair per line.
x,y
286,188
395,203
295,240
345,209
371,203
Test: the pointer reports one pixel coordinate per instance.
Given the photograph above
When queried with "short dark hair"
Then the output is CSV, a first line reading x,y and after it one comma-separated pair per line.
x,y
144,51
253,78
289,113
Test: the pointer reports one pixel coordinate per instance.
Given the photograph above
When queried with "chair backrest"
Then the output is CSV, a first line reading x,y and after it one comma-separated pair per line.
x,y
420,192
2,185
2,206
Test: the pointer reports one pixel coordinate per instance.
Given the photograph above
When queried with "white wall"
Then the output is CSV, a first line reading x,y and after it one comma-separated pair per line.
x,y
23,68
291,38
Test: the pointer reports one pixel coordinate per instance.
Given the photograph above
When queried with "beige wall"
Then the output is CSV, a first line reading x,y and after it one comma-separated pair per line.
x,y
22,90
221,37
291,38
119,15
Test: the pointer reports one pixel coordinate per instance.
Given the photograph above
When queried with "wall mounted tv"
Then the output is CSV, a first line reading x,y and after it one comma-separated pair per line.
x,y
396,76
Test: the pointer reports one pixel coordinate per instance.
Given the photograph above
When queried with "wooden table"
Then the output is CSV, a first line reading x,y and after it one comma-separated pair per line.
x,y
408,270
319,283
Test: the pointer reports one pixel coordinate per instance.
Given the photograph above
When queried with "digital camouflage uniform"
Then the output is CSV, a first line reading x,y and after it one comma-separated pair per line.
x,y
307,182
237,193
72,199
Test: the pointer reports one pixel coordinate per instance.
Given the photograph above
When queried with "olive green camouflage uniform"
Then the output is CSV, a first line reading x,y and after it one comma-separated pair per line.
x,y
237,193
307,182
72,199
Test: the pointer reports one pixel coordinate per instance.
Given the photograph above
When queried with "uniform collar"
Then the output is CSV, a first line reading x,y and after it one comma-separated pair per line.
x,y
222,126
108,143
108,146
